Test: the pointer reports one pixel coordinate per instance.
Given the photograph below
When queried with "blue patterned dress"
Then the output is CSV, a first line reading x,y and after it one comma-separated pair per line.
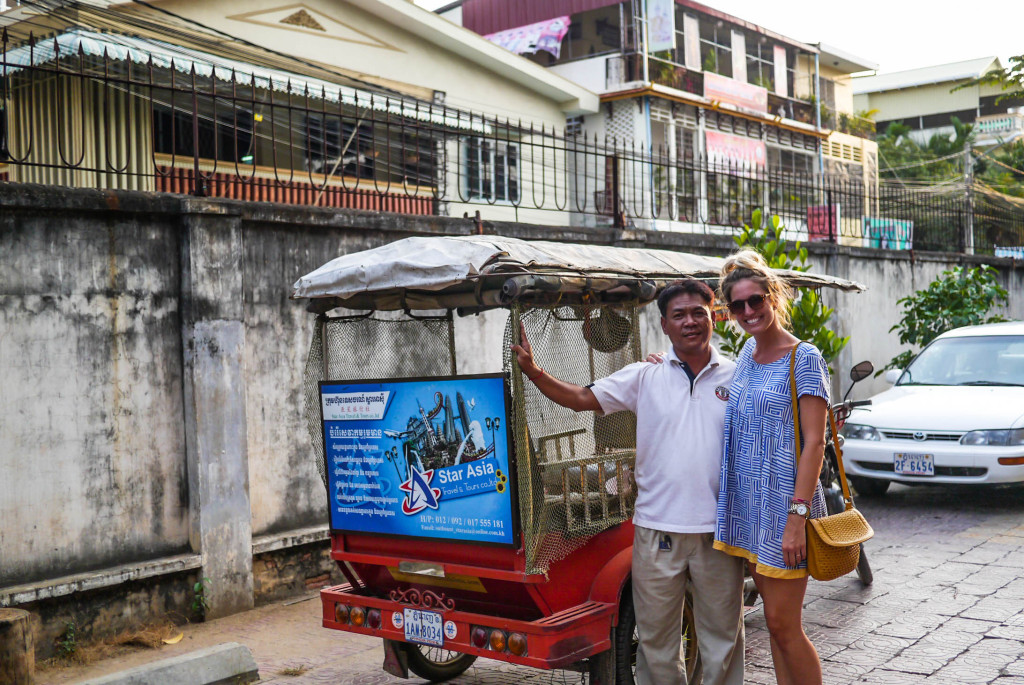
x,y
759,462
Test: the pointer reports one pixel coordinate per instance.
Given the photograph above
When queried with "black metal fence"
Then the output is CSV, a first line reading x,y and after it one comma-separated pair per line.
x,y
95,110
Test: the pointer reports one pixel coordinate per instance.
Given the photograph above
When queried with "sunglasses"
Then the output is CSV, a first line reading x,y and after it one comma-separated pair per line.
x,y
754,301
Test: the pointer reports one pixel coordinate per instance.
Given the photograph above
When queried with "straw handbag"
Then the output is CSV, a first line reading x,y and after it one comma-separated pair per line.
x,y
833,542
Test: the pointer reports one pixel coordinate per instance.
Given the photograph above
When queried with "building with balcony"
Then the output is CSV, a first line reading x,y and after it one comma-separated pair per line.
x,y
926,99
728,109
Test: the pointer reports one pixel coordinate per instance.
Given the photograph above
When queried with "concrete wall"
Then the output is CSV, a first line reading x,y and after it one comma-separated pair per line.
x,y
918,101
151,361
935,98
91,442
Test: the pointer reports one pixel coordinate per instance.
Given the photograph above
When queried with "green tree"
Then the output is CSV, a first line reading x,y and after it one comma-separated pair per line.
x,y
959,297
808,314
905,159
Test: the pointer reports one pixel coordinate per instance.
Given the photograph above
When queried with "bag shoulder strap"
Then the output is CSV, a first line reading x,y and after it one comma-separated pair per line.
x,y
796,407
847,497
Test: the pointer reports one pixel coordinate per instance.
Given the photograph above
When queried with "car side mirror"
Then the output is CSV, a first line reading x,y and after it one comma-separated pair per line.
x,y
861,371
893,375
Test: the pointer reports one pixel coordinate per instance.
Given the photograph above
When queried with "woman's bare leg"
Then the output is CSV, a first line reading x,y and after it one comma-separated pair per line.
x,y
796,661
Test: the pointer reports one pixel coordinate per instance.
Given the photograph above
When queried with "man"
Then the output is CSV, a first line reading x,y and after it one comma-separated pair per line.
x,y
680,410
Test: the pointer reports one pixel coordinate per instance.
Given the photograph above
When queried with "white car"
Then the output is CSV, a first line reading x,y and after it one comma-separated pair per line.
x,y
955,415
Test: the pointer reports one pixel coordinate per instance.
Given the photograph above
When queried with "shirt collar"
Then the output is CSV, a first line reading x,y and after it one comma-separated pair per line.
x,y
716,358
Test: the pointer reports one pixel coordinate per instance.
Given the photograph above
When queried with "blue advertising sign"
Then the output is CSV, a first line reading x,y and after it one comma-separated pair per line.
x,y
422,458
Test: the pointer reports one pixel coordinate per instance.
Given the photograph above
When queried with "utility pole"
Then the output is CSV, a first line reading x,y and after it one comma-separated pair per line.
x,y
968,238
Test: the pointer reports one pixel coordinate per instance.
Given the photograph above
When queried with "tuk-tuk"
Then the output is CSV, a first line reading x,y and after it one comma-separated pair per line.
x,y
470,516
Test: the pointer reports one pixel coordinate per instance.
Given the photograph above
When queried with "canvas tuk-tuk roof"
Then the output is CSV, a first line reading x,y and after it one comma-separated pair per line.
x,y
473,273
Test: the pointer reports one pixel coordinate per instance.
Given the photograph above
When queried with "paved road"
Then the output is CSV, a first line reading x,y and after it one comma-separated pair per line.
x,y
946,608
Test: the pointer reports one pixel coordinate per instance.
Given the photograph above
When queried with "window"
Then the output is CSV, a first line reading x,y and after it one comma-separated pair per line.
x,y
339,146
591,33
414,157
716,47
790,161
761,62
492,170
228,138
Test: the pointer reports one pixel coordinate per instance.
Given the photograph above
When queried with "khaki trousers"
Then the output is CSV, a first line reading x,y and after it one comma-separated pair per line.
x,y
660,580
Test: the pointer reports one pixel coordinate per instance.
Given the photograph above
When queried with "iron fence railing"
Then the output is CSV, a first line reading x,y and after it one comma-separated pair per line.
x,y
77,115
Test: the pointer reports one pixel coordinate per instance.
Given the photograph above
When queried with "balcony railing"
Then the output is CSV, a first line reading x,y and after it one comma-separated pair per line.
x,y
845,122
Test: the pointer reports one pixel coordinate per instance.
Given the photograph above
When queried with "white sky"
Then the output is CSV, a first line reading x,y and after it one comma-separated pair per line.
x,y
895,34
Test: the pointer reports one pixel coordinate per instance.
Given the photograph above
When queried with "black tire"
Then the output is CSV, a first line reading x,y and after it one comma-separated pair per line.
x,y
834,503
750,593
625,643
864,568
435,664
870,487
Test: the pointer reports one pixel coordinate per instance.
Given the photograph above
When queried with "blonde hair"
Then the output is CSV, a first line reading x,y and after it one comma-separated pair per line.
x,y
749,264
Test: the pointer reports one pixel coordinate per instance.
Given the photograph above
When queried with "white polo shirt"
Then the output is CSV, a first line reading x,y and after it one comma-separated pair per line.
x,y
678,438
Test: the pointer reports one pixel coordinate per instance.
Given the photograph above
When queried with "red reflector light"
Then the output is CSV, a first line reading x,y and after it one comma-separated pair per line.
x,y
517,644
497,641
373,618
341,613
1011,461
478,637
358,616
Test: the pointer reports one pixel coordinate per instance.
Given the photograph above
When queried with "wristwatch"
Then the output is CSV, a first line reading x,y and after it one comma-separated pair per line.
x,y
800,509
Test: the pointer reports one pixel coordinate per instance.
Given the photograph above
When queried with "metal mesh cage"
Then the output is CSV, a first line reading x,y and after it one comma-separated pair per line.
x,y
574,469
371,347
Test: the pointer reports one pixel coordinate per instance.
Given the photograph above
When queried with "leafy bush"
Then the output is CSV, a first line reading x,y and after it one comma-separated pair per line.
x,y
959,297
808,314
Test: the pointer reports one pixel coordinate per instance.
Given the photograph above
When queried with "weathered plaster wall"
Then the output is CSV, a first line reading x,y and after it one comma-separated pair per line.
x,y
91,443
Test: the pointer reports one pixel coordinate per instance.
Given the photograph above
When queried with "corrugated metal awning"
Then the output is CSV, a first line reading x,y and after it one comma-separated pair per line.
x,y
163,55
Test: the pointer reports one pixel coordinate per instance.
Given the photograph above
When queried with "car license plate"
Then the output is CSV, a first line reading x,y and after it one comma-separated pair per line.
x,y
913,464
424,627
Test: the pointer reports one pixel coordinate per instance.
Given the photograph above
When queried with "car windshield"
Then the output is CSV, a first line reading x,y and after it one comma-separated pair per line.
x,y
989,360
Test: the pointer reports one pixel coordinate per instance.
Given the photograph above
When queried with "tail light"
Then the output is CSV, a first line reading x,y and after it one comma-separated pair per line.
x,y
478,637
341,613
373,618
358,616
517,644
498,641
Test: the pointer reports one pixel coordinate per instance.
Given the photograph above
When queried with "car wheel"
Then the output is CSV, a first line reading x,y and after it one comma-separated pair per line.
x,y
869,487
435,664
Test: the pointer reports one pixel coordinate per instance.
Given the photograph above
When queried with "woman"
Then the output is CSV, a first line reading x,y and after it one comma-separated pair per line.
x,y
765,493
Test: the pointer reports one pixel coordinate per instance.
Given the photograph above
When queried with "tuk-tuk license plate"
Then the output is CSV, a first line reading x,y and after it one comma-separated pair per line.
x,y
913,464
424,627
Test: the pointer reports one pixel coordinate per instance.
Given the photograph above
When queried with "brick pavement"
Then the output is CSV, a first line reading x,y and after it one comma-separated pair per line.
x,y
946,608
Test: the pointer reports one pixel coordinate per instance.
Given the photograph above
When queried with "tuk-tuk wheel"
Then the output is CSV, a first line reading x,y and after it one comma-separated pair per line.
x,y
435,664
626,641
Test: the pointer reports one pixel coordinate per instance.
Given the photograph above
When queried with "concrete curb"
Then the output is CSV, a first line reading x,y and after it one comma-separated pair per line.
x,y
226,663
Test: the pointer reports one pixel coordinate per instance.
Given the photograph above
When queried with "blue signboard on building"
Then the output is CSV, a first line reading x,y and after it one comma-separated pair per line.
x,y
421,458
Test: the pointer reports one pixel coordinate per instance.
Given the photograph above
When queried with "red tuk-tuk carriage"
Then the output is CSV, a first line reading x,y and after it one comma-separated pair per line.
x,y
470,516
